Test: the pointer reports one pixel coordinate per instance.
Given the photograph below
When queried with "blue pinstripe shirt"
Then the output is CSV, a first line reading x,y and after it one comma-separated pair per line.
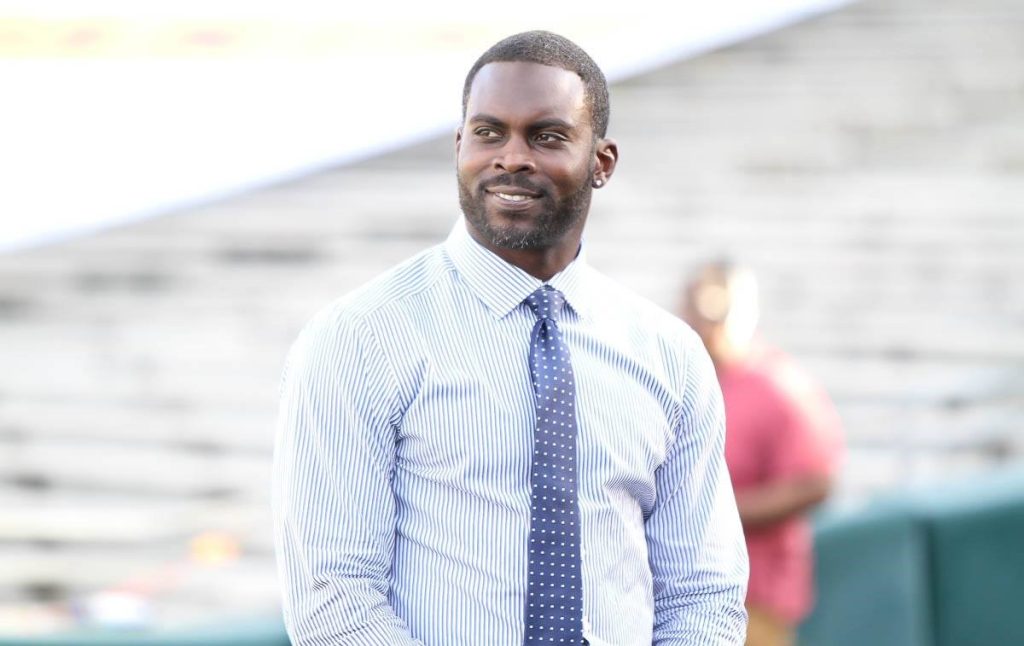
x,y
402,463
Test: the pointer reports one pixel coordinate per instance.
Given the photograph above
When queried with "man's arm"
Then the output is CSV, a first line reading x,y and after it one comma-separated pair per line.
x,y
770,503
695,541
334,510
805,447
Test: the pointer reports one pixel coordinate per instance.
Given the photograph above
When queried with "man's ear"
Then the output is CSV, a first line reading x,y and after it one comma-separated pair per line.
x,y
458,140
607,154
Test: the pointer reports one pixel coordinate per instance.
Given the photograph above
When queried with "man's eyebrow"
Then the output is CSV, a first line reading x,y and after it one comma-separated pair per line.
x,y
540,124
486,118
552,122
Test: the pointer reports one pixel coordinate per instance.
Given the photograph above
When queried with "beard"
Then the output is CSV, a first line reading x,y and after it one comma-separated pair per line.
x,y
555,219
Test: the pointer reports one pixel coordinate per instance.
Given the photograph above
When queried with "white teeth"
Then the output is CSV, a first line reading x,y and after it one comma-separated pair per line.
x,y
513,198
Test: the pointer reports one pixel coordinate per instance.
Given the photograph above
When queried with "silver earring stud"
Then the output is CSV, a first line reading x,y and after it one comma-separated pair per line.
x,y
598,183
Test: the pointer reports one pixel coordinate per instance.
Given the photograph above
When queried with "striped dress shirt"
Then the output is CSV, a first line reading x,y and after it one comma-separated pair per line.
x,y
403,453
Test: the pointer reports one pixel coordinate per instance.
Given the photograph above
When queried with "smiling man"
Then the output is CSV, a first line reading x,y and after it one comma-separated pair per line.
x,y
493,443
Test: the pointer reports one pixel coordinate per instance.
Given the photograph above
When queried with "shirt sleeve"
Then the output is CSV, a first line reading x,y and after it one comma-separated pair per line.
x,y
334,510
809,435
695,541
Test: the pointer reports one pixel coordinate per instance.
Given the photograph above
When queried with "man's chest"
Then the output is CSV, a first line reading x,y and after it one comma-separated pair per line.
x,y
472,421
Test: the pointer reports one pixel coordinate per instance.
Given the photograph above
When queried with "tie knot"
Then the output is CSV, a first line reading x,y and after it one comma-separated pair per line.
x,y
546,302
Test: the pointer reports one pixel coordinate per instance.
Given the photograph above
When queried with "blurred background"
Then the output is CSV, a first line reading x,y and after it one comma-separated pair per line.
x,y
182,187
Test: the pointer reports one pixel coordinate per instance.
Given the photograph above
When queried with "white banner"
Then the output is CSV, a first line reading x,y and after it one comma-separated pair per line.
x,y
117,110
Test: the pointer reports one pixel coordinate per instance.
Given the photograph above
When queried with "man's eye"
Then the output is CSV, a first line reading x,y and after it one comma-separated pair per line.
x,y
486,133
549,138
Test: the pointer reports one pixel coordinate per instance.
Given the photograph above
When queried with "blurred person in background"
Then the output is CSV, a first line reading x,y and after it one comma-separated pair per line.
x,y
783,442
432,423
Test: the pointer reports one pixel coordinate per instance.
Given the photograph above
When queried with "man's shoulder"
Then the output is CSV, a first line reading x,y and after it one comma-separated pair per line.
x,y
785,375
378,297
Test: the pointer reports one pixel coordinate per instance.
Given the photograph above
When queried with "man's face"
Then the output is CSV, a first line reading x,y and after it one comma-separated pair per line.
x,y
704,309
526,156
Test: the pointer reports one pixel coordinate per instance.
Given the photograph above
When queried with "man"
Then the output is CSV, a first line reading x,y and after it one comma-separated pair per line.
x,y
493,443
782,447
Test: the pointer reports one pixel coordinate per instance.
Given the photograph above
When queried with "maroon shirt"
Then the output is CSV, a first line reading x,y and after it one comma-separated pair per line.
x,y
779,424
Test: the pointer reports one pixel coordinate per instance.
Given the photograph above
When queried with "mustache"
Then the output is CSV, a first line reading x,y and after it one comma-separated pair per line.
x,y
508,179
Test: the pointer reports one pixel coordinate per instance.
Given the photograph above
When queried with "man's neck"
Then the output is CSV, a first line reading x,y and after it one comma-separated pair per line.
x,y
725,354
542,263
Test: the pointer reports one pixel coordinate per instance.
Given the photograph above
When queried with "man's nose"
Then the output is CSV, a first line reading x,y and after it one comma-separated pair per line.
x,y
515,157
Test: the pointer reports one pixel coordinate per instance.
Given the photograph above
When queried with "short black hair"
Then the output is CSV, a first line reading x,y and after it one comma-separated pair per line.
x,y
547,48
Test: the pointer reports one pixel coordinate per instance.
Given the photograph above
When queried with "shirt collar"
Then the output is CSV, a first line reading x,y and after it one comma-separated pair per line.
x,y
502,286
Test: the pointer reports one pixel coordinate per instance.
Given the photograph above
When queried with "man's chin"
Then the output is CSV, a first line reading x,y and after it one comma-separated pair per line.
x,y
522,235
516,238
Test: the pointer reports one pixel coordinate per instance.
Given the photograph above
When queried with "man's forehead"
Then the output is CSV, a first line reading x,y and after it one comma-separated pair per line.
x,y
523,84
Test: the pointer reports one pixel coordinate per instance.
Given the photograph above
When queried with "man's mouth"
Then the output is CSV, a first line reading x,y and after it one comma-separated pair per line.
x,y
513,194
513,198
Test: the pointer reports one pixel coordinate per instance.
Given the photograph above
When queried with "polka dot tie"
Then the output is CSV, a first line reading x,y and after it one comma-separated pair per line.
x,y
554,605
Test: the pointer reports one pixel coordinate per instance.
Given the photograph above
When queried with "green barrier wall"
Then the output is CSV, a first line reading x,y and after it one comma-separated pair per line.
x,y
943,567
872,582
976,540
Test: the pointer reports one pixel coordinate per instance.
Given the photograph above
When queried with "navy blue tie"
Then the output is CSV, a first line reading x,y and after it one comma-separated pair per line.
x,y
554,605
